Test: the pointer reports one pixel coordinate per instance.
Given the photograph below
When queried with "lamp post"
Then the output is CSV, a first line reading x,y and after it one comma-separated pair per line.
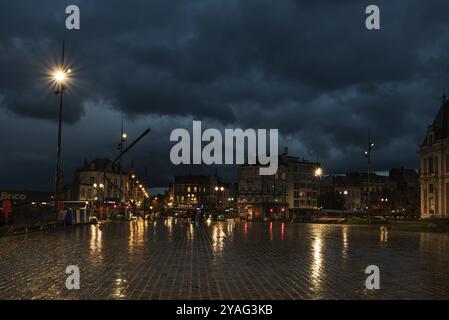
x,y
60,78
99,197
384,207
318,174
368,157
123,138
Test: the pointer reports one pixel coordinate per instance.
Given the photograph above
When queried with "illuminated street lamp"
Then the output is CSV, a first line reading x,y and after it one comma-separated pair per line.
x,y
60,77
368,157
318,174
123,139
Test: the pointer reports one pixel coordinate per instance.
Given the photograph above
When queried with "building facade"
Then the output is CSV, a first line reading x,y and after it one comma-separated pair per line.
x,y
200,192
434,175
406,199
348,187
373,188
293,190
90,184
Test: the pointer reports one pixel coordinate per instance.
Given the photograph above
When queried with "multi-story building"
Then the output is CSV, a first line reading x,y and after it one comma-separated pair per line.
x,y
434,177
194,192
291,191
348,187
398,192
303,187
90,184
406,198
373,189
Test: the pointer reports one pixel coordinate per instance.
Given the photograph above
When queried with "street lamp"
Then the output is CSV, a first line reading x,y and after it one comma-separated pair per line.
x,y
123,139
318,174
368,157
60,77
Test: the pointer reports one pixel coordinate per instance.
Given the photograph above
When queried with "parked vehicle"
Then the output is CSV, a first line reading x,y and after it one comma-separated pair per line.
x,y
76,212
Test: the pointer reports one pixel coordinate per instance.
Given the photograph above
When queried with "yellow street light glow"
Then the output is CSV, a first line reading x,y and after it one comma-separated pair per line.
x,y
59,76
318,172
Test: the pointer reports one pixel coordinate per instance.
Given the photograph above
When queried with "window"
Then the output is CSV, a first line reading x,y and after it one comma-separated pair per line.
x,y
430,188
430,165
296,204
436,165
447,163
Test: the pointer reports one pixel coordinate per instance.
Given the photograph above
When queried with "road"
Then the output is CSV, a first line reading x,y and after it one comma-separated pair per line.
x,y
176,260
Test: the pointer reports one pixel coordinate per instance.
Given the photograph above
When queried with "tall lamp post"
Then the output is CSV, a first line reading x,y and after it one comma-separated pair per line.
x,y
60,78
368,156
318,174
123,138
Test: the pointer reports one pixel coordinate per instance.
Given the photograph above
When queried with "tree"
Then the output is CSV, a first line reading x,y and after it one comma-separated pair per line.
x,y
332,200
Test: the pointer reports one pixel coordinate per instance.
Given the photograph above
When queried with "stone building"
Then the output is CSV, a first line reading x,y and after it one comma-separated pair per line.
x,y
292,191
348,187
201,192
406,197
89,183
434,176
374,189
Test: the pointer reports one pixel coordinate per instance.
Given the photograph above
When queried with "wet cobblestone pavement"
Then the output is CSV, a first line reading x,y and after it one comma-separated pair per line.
x,y
177,260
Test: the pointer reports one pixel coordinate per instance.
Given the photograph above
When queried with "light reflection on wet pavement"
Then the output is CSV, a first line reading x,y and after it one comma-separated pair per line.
x,y
172,259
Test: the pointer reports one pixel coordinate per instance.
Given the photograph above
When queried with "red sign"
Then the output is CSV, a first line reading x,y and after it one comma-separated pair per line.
x,y
7,209
60,205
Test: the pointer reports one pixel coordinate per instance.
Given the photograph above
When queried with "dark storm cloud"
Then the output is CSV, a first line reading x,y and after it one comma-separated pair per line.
x,y
309,68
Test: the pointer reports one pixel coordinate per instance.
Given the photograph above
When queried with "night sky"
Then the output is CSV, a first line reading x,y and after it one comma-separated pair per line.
x,y
309,68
